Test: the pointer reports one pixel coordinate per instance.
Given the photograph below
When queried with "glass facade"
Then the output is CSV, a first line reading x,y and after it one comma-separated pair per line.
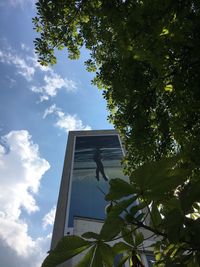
x,y
92,159
96,160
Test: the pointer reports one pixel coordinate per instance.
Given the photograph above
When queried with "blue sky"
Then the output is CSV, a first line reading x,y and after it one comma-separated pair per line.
x,y
38,106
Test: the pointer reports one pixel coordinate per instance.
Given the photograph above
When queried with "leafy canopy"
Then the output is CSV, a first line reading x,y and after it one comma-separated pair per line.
x,y
146,58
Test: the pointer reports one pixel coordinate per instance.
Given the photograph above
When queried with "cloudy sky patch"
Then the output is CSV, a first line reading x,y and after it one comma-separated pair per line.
x,y
22,67
53,82
67,122
29,144
21,172
48,219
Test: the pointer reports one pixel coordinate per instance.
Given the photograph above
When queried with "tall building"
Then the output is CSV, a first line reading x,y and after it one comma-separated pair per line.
x,y
92,158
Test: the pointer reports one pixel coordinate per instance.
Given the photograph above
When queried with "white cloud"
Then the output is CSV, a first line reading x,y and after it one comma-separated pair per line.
x,y
9,257
64,121
53,83
71,123
25,47
15,235
21,171
27,65
23,68
49,218
52,109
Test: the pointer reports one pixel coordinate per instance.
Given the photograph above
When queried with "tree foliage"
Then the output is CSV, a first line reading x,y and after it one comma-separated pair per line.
x,y
146,58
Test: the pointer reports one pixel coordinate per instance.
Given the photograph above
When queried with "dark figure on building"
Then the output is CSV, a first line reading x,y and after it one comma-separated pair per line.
x,y
97,157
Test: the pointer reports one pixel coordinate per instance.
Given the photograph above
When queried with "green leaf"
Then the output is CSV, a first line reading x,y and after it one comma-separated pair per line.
x,y
118,189
173,223
85,18
138,238
107,254
150,174
111,227
121,247
157,180
158,256
189,195
97,258
127,235
71,242
67,248
90,65
169,88
121,206
90,235
156,218
122,261
165,31
61,47
87,259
